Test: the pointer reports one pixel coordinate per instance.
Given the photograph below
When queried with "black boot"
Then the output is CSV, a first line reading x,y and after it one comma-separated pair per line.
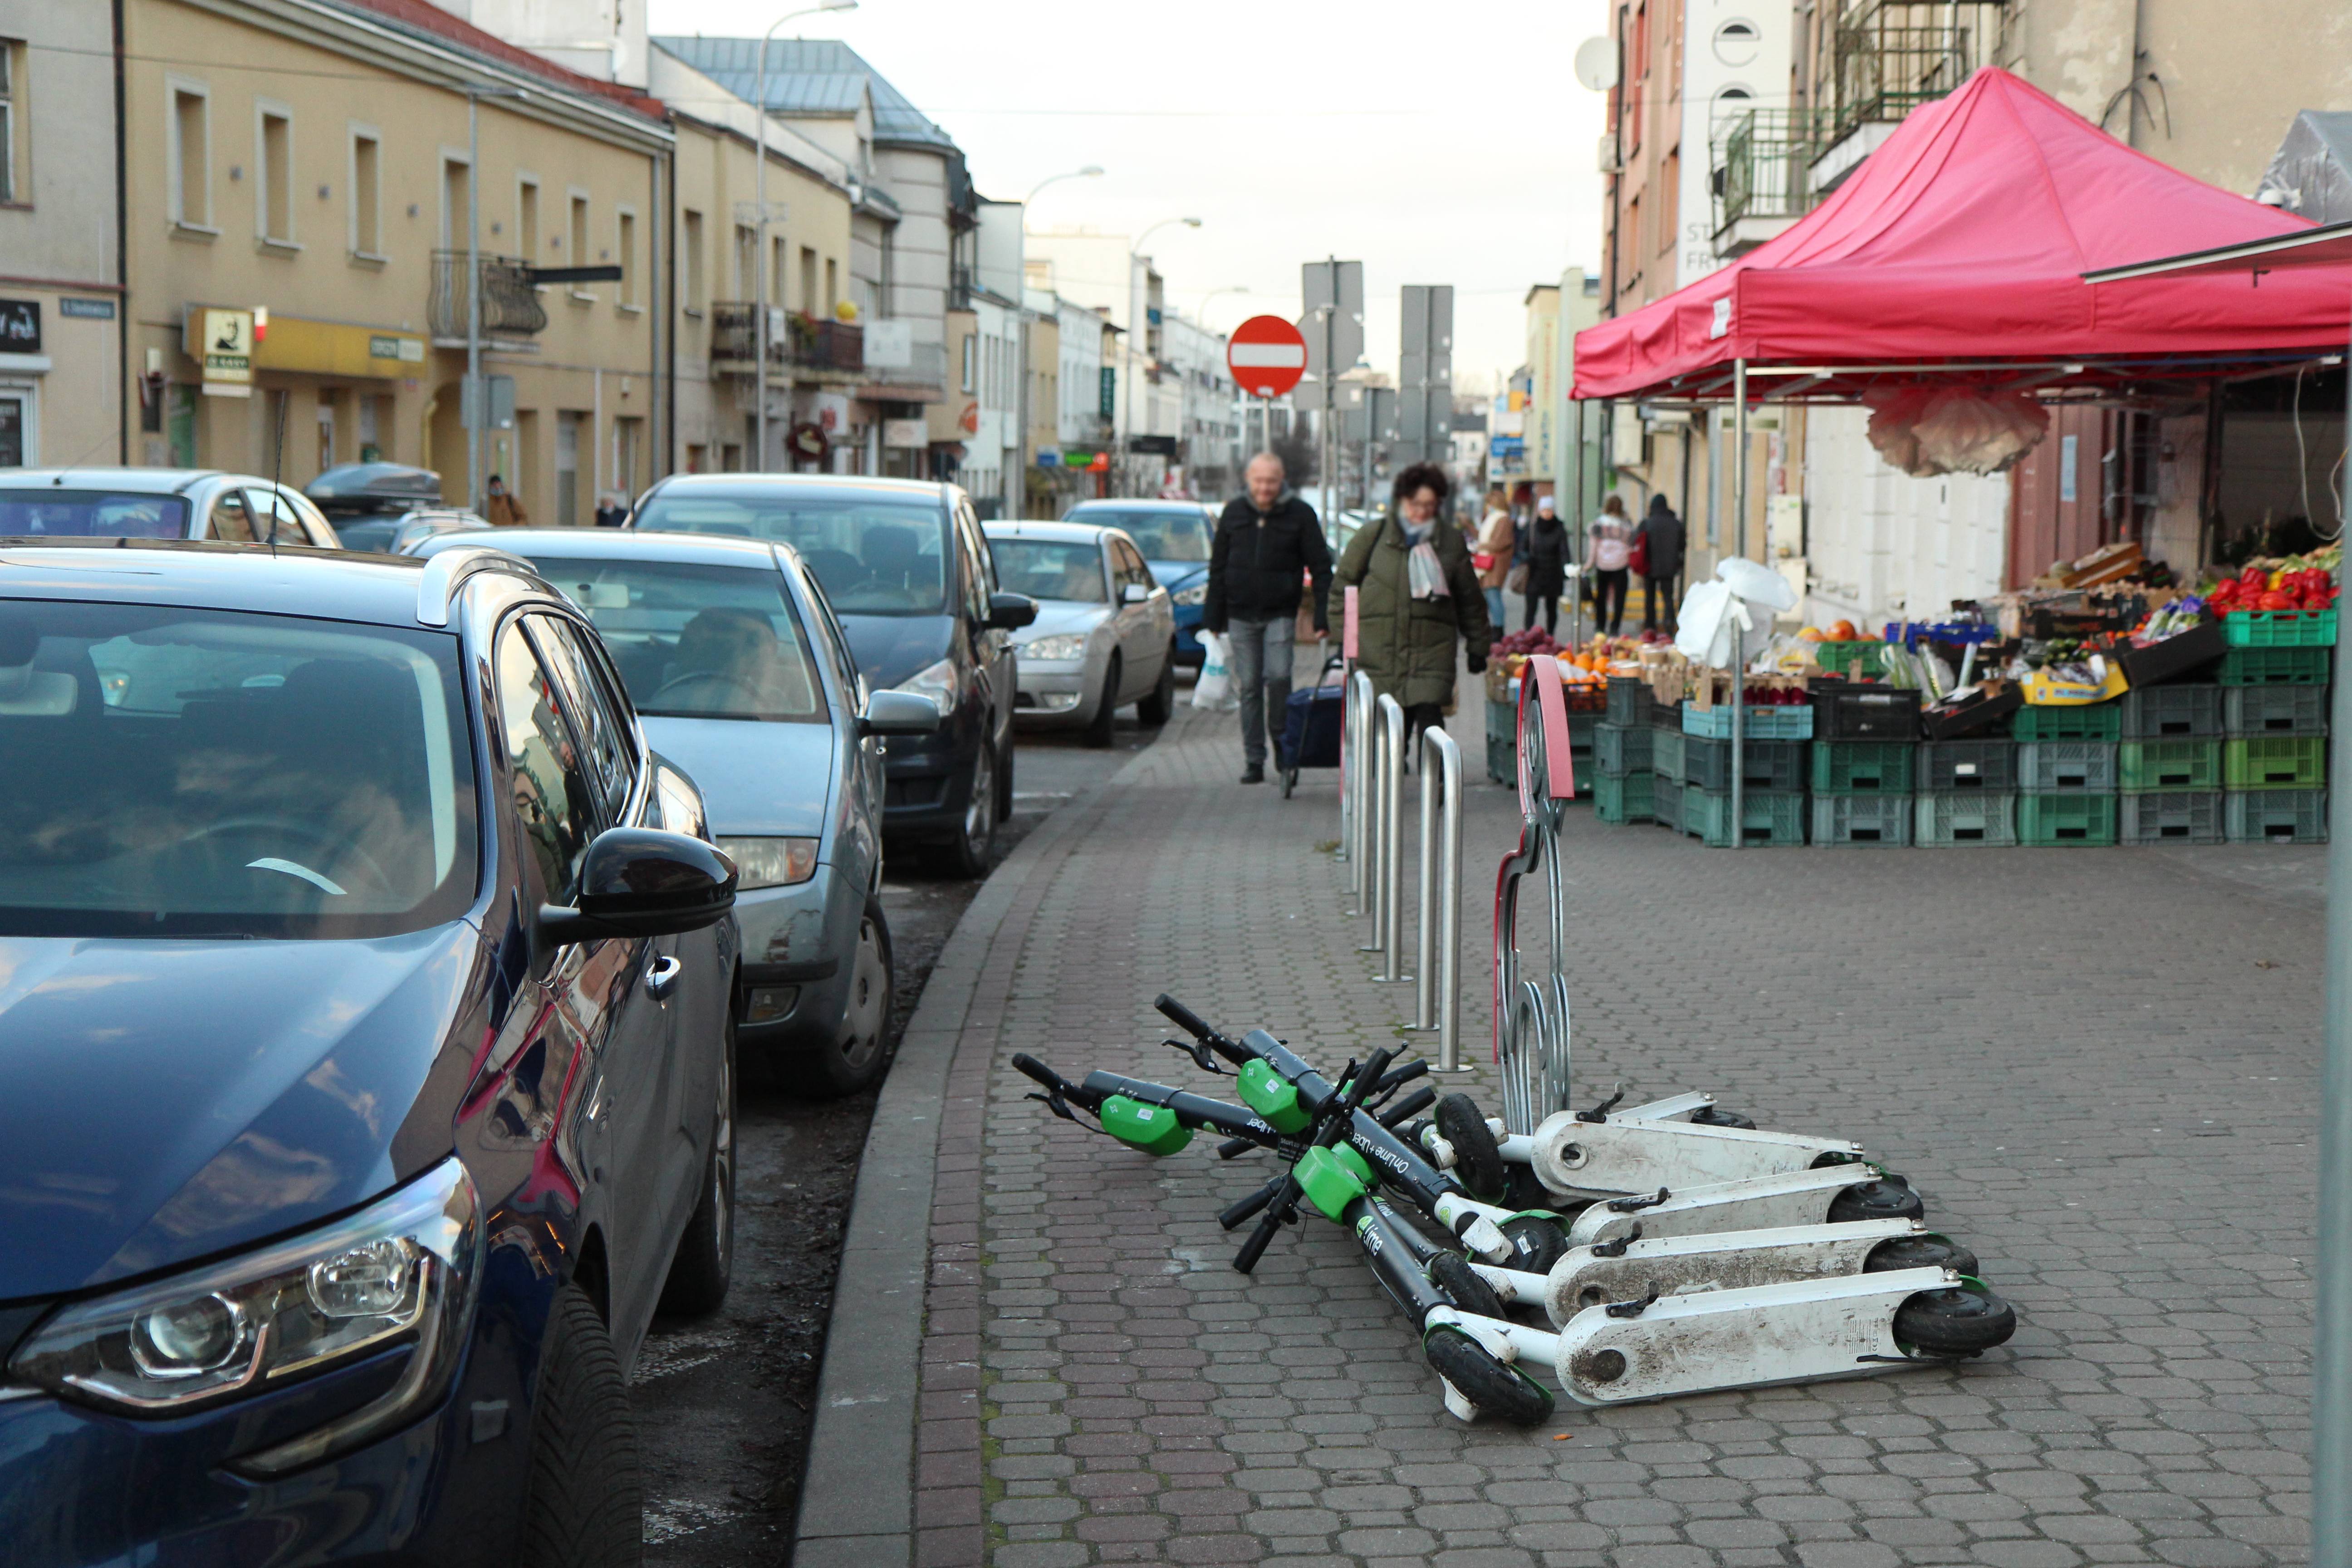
x,y
1254,773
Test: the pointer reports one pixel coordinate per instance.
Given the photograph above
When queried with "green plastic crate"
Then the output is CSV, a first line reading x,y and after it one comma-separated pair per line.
x,y
2065,820
1666,754
1765,722
1503,759
1863,820
2275,816
1630,700
1851,658
1621,749
1624,797
2278,628
2078,722
1667,802
2185,817
2275,710
2274,762
1768,818
1957,818
2276,666
2144,767
1863,767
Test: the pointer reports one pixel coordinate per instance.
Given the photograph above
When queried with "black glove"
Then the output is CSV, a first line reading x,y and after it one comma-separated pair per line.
x,y
1477,664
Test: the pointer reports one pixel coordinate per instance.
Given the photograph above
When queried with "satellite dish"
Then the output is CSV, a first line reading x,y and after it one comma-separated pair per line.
x,y
1596,64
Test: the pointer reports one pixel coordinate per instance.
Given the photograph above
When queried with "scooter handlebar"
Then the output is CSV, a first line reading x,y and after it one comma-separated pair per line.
x,y
1044,1077
1405,1110
1183,1017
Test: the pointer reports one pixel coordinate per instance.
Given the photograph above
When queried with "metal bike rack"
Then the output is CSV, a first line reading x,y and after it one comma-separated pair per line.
x,y
1437,1001
1531,1015
1357,763
1388,856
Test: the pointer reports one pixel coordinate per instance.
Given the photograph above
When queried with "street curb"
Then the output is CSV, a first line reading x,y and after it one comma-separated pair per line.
x,y
858,1496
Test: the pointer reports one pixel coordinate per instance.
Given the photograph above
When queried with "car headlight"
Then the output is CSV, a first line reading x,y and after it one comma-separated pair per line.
x,y
938,683
401,1271
771,862
1198,593
1056,649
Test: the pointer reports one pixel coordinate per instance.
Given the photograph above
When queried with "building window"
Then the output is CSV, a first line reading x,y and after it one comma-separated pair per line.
x,y
527,220
831,284
692,243
970,363
578,242
624,244
457,200
13,173
747,262
189,179
366,192
808,279
273,160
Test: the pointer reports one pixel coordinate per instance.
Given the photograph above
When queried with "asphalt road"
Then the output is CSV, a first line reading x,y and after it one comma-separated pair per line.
x,y
723,1402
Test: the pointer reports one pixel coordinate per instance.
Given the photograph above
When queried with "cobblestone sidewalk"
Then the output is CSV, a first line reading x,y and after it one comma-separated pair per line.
x,y
2096,1066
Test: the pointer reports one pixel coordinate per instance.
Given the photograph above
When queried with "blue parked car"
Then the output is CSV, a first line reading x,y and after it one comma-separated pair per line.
x,y
741,675
366,1077
1174,536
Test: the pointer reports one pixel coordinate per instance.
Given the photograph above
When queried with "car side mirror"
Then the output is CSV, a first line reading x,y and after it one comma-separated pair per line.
x,y
1134,593
899,714
642,881
1010,612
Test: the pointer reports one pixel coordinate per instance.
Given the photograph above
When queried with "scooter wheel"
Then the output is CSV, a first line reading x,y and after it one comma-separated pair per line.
x,y
1715,1115
1522,1191
1957,1322
1876,1200
1538,1243
1921,1252
1452,1273
1496,1389
1477,1162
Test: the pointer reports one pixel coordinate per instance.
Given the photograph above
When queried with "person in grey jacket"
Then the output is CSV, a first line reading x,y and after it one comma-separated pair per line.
x,y
1268,548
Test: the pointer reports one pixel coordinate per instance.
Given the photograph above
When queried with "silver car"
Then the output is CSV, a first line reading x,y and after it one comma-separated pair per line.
x,y
1105,634
157,503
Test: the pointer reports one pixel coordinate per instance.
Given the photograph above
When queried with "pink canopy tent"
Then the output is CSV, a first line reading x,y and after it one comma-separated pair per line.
x,y
1956,251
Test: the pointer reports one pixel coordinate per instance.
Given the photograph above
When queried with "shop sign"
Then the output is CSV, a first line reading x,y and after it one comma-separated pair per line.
x,y
226,352
1049,458
20,326
906,433
87,309
383,345
889,345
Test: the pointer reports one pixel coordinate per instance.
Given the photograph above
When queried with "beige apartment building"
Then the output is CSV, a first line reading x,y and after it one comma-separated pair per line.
x,y
299,171
64,390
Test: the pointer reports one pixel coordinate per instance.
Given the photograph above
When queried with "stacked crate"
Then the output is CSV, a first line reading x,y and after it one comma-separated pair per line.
x,y
1624,789
2066,774
1967,792
2274,727
1865,741
2168,765
1665,764
1772,773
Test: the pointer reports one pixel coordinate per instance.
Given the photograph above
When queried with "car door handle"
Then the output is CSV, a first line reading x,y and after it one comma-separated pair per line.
x,y
661,976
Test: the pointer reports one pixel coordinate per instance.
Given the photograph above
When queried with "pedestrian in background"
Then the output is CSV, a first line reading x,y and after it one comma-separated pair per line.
x,y
502,506
1660,542
610,512
1267,544
1546,566
1611,553
1498,539
1417,599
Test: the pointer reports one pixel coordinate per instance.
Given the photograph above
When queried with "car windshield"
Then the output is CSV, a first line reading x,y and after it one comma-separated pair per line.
x,y
1162,535
696,641
48,513
875,554
174,773
369,534
1050,569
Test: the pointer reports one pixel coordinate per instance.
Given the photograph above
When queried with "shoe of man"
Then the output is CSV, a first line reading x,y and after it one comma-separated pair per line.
x,y
1254,773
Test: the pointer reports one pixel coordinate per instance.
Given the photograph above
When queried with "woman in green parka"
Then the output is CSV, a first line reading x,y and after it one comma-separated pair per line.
x,y
1410,613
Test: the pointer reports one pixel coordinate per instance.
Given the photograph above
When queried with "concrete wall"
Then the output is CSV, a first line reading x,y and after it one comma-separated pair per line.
x,y
1883,544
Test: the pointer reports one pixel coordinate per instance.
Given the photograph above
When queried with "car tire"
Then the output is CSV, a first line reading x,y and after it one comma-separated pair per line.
x,y
585,1503
860,1052
705,1259
1099,728
973,850
1159,705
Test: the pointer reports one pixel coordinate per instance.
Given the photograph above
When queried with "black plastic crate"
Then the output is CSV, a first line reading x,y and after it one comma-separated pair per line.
x,y
1621,749
1776,765
1843,711
1863,767
1631,701
1859,819
2275,816
2185,653
1666,716
1958,767
2273,711
2175,816
2182,713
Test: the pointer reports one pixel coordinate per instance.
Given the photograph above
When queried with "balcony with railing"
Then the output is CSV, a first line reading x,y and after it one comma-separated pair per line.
x,y
803,345
1886,60
510,307
1762,176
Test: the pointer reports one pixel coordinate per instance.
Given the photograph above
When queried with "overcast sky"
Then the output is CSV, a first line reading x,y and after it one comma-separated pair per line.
x,y
1435,142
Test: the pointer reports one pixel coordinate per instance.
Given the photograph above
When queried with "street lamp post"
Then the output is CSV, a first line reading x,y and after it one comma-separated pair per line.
x,y
1021,319
759,200
1134,327
474,404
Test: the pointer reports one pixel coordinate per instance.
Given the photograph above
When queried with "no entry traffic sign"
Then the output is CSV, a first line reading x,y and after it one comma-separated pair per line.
x,y
1267,355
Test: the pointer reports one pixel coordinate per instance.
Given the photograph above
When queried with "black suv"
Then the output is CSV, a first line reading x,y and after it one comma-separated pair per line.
x,y
909,573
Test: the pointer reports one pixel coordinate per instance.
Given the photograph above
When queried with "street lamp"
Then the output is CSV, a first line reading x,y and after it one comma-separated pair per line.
x,y
1134,327
474,405
1021,317
1091,171
759,200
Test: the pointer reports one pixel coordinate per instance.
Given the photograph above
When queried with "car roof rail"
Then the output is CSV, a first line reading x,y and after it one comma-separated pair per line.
x,y
446,572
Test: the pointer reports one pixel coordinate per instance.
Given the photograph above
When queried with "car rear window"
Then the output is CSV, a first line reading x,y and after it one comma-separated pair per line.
x,y
1049,569
875,554
696,641
1161,534
45,512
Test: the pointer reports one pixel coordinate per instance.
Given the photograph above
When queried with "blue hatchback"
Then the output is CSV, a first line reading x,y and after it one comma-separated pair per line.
x,y
366,1075
1174,536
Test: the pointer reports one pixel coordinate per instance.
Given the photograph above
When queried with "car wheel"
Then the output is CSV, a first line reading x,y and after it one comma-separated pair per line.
x,y
1099,728
862,1048
699,1269
585,1507
1159,705
967,854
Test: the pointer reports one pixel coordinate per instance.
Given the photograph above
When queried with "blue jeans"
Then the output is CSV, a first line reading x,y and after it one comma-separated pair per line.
x,y
1261,670
1495,610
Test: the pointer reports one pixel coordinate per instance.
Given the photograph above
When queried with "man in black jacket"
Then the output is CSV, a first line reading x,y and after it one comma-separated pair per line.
x,y
1266,543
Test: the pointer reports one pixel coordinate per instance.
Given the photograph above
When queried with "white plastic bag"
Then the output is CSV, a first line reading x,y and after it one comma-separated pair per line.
x,y
1214,689
1738,603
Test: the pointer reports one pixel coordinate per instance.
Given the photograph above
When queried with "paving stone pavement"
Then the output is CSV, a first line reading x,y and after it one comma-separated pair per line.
x,y
2096,1066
